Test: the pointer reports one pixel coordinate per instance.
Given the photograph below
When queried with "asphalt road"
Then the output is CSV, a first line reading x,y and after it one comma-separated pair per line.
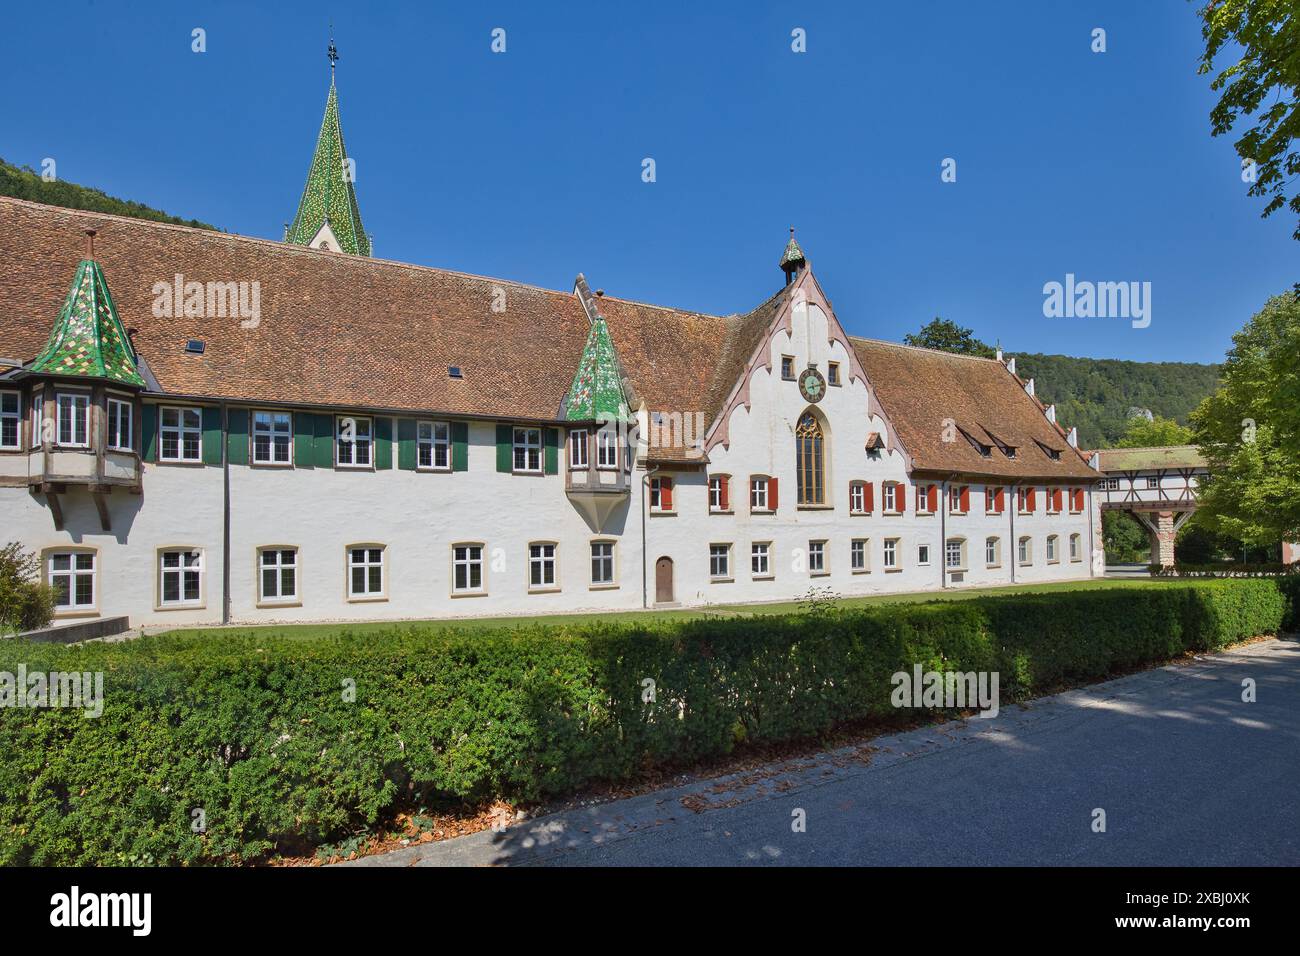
x,y
1187,773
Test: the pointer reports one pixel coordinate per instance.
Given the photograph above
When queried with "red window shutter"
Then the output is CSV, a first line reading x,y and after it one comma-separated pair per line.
x,y
901,501
965,498
724,492
1000,500
665,494
934,497
1029,500
868,497
1056,499
771,493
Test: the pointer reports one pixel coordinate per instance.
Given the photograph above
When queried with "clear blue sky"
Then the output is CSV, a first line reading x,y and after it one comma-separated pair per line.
x,y
527,165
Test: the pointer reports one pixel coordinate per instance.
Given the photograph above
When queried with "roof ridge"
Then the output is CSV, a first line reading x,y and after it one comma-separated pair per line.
x,y
287,248
922,348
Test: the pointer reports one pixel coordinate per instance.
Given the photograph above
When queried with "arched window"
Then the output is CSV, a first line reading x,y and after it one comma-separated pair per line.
x,y
810,460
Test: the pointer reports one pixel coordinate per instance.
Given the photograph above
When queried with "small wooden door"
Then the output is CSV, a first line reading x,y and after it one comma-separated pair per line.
x,y
664,581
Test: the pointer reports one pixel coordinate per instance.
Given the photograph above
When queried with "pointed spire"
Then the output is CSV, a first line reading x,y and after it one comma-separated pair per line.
x,y
792,260
597,390
328,212
88,339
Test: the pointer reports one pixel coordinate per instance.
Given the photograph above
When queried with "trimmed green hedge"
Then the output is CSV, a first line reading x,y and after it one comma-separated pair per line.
x,y
258,733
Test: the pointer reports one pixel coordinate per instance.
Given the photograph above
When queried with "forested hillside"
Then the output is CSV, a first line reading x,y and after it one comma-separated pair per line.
x,y
1097,396
25,183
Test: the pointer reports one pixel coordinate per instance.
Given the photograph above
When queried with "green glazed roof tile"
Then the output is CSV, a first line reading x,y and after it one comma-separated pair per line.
x,y
597,391
330,196
88,339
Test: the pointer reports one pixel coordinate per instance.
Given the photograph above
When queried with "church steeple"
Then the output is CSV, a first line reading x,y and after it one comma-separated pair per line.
x,y
328,217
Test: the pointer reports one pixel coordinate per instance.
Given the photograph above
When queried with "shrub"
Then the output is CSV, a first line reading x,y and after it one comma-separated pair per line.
x,y
261,733
25,603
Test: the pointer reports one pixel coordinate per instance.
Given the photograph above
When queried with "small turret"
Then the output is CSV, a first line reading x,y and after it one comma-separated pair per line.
x,y
792,260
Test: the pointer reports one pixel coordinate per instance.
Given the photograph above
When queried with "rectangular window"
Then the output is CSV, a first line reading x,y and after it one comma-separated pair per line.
x,y
857,498
833,373
923,555
787,368
119,425
607,448
72,576
602,562
816,557
467,568
272,437
1026,551
182,434
528,449
957,498
578,448
1051,549
541,566
954,554
991,556
279,579
858,554
1111,484
10,420
891,553
181,573
73,423
1153,481
365,572
433,445
354,441
719,561
661,494
760,559
1076,548
758,494
889,496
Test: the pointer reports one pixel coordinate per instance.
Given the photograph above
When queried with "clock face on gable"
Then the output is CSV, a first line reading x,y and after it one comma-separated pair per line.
x,y
812,386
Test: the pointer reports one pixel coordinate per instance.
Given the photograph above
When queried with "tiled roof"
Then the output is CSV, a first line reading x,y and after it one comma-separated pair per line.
x,y
921,389
1150,459
362,333
333,329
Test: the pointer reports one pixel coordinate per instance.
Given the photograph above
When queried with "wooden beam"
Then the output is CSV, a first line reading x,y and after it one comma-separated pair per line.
x,y
101,505
56,509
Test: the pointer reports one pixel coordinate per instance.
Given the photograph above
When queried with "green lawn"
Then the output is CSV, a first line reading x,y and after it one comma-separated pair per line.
x,y
720,610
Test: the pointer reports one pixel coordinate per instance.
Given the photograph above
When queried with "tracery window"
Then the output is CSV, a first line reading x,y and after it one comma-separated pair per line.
x,y
810,460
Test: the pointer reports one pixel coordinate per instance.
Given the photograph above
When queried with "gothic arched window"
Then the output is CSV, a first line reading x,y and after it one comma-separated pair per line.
x,y
810,460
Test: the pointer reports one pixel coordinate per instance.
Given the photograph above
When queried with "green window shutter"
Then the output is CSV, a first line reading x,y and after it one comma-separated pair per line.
x,y
149,433
237,439
406,444
304,437
324,441
551,438
383,442
460,446
505,448
211,435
